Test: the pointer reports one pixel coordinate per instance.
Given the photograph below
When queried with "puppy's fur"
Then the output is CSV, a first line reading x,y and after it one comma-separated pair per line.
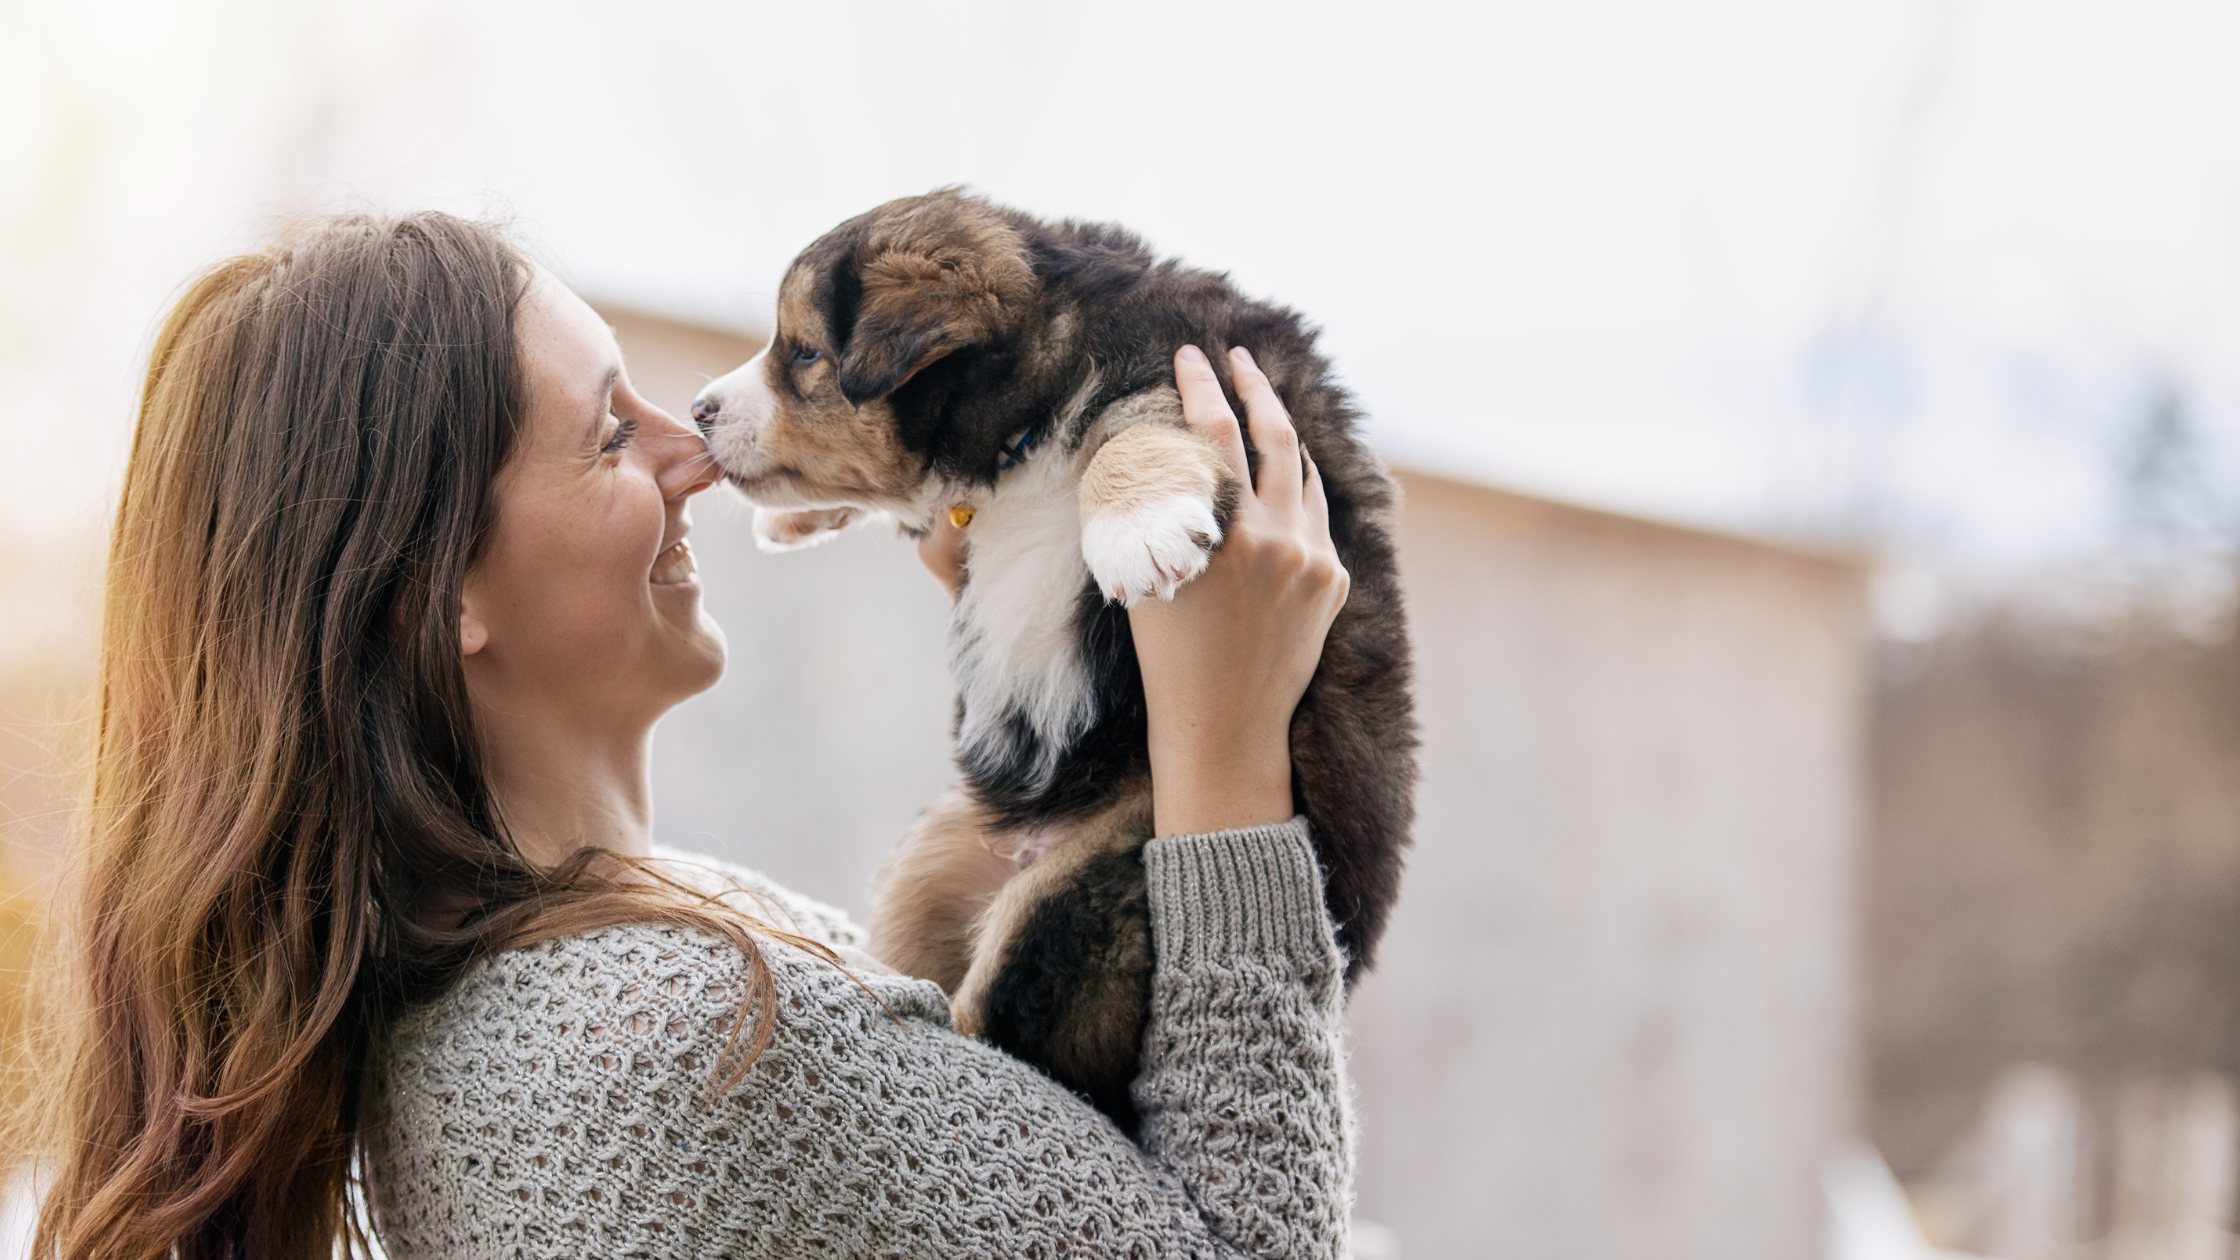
x,y
941,350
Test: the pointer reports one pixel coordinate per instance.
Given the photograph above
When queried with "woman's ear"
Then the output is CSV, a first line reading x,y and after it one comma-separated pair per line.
x,y
472,633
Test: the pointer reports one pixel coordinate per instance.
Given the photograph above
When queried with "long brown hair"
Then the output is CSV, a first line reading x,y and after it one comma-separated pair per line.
x,y
288,837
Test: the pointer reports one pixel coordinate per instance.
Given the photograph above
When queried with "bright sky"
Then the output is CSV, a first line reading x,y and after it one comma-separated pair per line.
x,y
1864,268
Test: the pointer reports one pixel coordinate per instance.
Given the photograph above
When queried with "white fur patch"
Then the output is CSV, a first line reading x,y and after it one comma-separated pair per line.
x,y
1013,647
1152,550
748,405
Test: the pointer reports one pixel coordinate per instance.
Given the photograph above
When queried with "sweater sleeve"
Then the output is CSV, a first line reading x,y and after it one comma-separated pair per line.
x,y
1243,1092
557,1102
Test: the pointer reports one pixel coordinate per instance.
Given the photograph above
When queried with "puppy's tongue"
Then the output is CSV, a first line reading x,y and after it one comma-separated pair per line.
x,y
674,564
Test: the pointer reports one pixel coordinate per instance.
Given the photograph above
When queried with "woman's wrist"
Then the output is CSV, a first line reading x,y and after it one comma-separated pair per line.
x,y
1208,787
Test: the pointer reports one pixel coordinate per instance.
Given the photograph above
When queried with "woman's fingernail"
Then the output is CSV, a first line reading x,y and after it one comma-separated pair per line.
x,y
1192,354
1241,353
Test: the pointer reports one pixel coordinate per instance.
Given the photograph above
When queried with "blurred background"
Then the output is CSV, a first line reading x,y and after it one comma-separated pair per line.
x,y
1821,429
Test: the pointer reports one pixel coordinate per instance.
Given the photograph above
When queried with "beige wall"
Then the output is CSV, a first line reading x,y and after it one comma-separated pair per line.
x,y
1612,1016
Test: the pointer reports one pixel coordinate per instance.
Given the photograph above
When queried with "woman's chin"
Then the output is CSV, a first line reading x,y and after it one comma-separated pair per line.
x,y
704,655
685,657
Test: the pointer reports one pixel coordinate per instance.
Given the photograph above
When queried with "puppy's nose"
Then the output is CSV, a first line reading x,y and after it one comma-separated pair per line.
x,y
705,408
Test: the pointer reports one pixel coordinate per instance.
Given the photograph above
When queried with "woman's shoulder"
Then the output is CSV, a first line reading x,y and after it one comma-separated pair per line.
x,y
793,912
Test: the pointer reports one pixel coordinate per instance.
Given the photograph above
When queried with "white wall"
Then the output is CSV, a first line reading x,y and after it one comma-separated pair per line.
x,y
1853,264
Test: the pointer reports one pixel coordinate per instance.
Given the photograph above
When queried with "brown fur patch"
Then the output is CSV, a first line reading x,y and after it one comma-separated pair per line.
x,y
801,315
820,448
931,890
1147,463
942,274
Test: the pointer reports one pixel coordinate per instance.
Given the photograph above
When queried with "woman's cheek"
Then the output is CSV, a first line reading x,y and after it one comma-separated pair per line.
x,y
593,579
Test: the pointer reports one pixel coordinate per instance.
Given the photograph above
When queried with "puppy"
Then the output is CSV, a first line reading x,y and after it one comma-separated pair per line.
x,y
944,355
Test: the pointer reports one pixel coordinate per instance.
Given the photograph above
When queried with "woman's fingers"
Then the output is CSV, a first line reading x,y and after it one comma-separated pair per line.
x,y
942,550
1272,435
1318,524
1207,410
1313,499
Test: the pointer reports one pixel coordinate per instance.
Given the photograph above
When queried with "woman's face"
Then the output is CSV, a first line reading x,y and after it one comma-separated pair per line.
x,y
586,603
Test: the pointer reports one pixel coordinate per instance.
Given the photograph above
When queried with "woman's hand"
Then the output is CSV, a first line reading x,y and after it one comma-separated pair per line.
x,y
1225,662
941,551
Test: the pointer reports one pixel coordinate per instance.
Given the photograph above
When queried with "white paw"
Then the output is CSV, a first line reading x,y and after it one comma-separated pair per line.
x,y
776,530
1151,550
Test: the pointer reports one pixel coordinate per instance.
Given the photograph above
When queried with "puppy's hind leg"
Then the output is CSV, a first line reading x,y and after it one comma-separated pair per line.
x,y
1061,966
932,888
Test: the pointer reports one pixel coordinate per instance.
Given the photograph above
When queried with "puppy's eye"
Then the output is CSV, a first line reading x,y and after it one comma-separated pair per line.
x,y
804,355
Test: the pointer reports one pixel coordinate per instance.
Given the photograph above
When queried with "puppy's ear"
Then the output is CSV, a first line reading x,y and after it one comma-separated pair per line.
x,y
946,273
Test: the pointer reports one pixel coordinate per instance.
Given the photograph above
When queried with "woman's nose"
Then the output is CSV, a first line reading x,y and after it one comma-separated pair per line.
x,y
687,467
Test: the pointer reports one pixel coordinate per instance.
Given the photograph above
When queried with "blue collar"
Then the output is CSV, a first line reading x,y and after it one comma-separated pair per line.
x,y
1015,453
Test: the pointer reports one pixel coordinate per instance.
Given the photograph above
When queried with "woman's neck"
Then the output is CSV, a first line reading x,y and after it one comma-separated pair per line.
x,y
559,788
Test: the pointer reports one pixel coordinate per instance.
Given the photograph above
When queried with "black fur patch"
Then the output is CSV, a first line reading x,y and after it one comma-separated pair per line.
x,y
1079,982
840,307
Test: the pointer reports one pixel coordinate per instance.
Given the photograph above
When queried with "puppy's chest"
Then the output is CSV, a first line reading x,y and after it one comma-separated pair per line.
x,y
1015,642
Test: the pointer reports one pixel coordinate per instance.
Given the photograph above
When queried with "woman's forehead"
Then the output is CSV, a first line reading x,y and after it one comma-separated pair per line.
x,y
568,352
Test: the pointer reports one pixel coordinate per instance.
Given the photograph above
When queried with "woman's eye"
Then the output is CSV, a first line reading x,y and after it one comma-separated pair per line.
x,y
804,354
622,431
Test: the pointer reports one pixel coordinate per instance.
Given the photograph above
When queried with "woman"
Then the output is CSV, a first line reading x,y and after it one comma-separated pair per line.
x,y
398,589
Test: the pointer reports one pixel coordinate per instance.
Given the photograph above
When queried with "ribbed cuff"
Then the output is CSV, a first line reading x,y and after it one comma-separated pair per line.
x,y
1252,892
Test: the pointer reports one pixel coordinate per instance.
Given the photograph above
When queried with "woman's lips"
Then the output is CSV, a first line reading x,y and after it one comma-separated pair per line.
x,y
674,565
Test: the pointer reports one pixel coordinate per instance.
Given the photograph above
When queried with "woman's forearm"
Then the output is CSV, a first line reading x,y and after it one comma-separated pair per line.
x,y
1243,1090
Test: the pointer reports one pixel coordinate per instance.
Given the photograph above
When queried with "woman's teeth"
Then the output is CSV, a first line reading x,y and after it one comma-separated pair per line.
x,y
674,564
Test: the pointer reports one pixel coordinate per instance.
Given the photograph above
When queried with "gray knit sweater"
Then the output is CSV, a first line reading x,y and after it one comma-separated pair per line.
x,y
552,1102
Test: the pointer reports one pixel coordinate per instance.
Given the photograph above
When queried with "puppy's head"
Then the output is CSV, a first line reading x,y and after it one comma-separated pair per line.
x,y
878,322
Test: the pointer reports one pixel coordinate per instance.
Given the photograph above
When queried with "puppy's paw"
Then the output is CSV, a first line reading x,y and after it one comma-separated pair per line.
x,y
1151,549
968,1010
792,530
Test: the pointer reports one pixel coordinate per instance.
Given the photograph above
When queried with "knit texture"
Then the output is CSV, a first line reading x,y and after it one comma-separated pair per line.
x,y
553,1101
1232,895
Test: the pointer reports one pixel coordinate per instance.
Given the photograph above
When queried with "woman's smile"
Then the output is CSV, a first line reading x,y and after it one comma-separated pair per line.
x,y
674,568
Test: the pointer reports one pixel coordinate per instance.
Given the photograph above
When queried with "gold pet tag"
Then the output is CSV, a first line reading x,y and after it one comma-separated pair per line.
x,y
960,515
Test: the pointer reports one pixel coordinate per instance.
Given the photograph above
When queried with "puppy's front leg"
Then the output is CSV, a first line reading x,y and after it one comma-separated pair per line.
x,y
1152,503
